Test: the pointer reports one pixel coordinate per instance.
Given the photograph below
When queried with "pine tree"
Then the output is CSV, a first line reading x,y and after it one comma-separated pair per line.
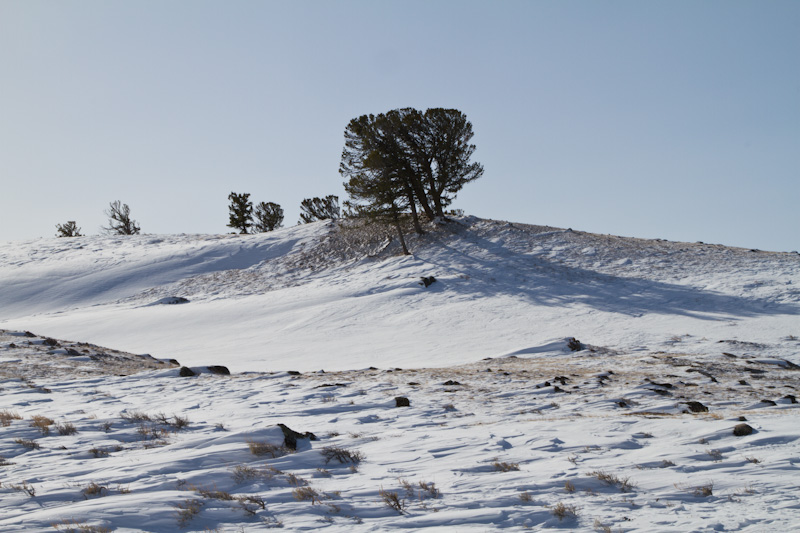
x,y
120,221
69,229
268,217
427,155
241,212
313,209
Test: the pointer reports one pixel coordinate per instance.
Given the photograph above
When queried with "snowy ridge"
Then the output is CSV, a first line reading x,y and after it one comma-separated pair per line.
x,y
513,422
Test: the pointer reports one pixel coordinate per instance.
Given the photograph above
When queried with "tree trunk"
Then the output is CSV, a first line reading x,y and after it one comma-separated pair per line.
x,y
400,232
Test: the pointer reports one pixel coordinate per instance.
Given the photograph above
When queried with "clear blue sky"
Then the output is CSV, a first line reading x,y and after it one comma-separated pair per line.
x,y
660,119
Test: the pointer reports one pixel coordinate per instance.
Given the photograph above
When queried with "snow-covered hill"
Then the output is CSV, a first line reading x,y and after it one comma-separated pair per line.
x,y
555,379
320,296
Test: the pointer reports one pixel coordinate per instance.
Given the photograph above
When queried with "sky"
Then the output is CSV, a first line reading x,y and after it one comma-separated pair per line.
x,y
672,119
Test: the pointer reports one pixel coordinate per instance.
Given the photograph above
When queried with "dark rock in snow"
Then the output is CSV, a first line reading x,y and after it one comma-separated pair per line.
x,y
574,344
742,429
50,342
291,436
293,372
219,369
402,401
185,372
791,398
171,300
696,407
428,281
73,352
450,382
768,402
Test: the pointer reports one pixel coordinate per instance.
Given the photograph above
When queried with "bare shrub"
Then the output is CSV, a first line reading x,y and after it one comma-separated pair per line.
x,y
99,452
135,416
342,455
187,510
179,422
562,511
251,503
393,501
66,428
296,481
94,489
265,448
568,486
526,497
754,460
305,494
242,473
24,487
213,493
28,443
624,483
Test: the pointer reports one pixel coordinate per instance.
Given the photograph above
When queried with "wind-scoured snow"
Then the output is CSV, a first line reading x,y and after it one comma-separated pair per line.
x,y
675,345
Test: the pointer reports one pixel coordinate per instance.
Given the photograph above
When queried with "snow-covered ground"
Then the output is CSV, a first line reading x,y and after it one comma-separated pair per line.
x,y
323,326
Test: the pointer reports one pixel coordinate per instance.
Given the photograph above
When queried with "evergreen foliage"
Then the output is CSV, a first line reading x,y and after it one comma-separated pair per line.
x,y
69,229
268,217
241,212
313,209
407,159
120,221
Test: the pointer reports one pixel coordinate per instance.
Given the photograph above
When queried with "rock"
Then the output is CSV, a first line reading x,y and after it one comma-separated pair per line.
x,y
742,429
291,436
428,281
696,407
171,300
791,398
450,383
293,372
574,344
768,402
50,342
402,401
219,369
185,372
73,352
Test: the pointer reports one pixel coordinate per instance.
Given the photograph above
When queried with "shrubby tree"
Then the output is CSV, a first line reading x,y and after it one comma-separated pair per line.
x,y
69,229
268,216
313,209
424,158
241,212
119,220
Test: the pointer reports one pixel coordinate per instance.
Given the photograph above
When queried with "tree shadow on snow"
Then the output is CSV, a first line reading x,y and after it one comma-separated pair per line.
x,y
545,282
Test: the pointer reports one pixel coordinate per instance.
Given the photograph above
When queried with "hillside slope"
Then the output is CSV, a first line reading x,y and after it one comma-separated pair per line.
x,y
338,297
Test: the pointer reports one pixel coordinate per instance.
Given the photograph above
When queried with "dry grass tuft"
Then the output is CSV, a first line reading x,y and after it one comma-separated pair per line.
x,y
7,416
624,483
71,526
258,448
94,489
23,487
505,467
42,423
562,511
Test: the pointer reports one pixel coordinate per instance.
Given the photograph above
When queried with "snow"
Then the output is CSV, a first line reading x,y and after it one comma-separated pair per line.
x,y
504,417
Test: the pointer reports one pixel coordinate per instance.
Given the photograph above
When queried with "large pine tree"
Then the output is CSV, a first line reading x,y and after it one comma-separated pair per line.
x,y
422,157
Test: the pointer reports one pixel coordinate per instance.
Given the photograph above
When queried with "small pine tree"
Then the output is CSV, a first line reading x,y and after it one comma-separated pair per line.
x,y
268,216
120,221
241,212
313,209
70,229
